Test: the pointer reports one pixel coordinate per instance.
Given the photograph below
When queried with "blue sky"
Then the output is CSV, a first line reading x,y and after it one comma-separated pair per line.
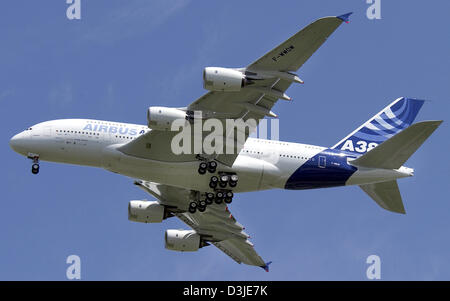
x,y
124,56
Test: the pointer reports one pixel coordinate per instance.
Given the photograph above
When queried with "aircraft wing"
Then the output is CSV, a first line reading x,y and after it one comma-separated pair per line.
x,y
271,76
294,52
216,225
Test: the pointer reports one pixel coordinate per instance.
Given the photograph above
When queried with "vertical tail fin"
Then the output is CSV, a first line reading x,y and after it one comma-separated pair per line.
x,y
397,116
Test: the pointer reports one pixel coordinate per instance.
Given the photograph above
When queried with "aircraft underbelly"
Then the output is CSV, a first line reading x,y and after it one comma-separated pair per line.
x,y
183,174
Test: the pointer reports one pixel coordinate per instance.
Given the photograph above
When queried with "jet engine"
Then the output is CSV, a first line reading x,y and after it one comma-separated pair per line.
x,y
145,212
182,240
161,118
223,79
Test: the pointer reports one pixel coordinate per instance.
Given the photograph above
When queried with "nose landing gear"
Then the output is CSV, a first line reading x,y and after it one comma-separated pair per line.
x,y
35,168
35,165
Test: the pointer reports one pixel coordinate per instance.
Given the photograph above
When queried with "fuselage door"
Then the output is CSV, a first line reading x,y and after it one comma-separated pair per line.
x,y
322,161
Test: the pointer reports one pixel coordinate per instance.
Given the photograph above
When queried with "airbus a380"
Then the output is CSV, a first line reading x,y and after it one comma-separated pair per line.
x,y
196,187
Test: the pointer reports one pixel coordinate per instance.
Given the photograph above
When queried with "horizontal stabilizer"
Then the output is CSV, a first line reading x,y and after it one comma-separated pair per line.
x,y
392,153
386,194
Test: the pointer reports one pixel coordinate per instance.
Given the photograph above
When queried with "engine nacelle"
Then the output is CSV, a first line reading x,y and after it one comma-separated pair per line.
x,y
223,79
145,212
161,118
182,240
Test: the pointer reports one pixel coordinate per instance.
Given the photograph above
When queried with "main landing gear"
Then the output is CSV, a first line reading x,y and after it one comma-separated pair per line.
x,y
222,184
207,166
223,180
224,196
219,197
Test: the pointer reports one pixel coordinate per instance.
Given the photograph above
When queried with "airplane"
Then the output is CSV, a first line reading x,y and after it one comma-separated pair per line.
x,y
197,187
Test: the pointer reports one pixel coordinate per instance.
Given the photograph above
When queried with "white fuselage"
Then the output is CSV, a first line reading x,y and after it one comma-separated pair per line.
x,y
261,164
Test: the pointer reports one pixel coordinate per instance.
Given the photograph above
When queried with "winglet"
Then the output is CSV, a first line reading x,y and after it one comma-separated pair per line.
x,y
266,267
345,17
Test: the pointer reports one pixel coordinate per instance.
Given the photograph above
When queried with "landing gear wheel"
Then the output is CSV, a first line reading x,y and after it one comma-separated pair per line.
x,y
209,198
202,206
212,166
223,181
35,168
202,168
219,197
233,180
228,197
192,207
213,182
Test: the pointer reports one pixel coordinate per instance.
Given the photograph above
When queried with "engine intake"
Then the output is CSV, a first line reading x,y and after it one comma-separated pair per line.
x,y
182,240
145,212
161,118
223,79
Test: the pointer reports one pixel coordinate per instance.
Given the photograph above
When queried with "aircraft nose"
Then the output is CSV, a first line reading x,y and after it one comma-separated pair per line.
x,y
17,143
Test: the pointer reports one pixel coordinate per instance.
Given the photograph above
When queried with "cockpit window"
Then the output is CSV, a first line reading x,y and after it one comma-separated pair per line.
x,y
28,129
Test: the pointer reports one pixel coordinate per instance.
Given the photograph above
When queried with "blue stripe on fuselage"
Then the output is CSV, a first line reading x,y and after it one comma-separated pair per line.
x,y
328,168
